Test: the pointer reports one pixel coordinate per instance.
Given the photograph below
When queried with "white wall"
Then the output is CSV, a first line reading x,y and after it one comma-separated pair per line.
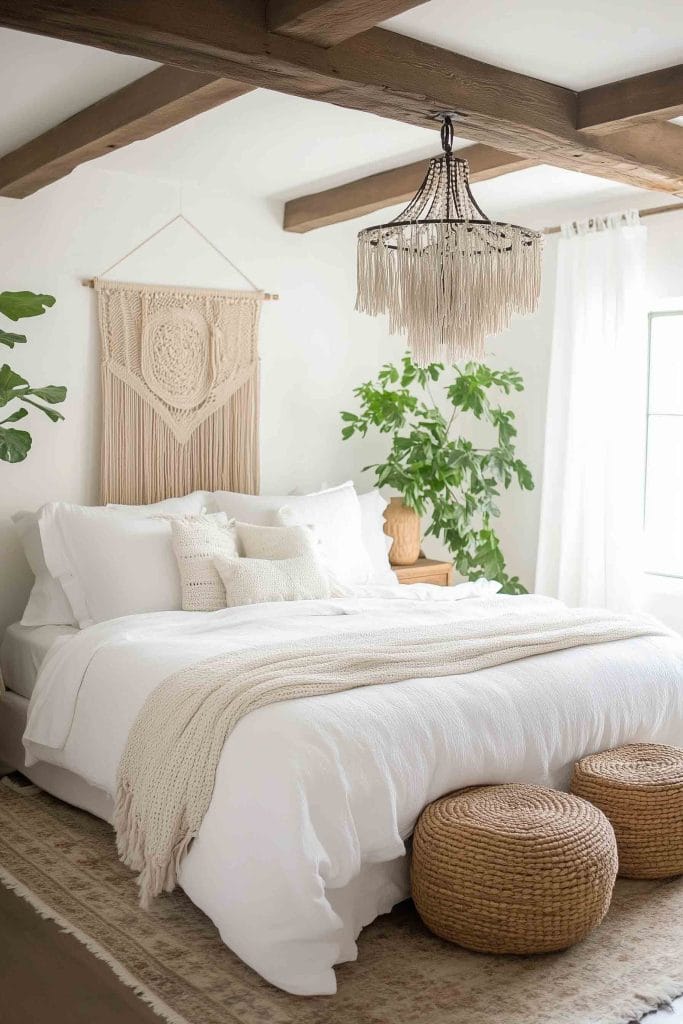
x,y
525,347
314,347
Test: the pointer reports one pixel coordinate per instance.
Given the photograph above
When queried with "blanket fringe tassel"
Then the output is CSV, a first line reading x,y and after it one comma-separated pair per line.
x,y
154,876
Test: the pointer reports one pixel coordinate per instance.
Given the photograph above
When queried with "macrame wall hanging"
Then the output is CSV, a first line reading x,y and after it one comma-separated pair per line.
x,y
179,387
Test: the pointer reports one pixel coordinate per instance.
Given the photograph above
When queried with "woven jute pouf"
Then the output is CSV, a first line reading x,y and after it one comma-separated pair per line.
x,y
512,869
640,789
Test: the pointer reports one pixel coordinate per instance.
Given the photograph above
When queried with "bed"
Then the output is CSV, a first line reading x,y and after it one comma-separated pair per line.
x,y
305,839
315,799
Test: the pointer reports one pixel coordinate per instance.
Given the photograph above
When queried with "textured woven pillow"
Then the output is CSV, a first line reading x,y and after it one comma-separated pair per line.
x,y
257,580
275,541
197,541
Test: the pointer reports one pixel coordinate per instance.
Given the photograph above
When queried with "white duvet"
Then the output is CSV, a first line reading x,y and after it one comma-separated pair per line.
x,y
304,841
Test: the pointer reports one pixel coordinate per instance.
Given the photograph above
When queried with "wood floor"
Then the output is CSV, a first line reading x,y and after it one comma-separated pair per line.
x,y
48,977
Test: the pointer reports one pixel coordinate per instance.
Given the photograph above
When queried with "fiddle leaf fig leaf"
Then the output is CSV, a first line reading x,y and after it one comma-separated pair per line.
x,y
12,385
17,305
52,414
9,339
52,393
14,444
17,415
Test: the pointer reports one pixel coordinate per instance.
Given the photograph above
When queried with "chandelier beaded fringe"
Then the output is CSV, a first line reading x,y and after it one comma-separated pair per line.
x,y
444,273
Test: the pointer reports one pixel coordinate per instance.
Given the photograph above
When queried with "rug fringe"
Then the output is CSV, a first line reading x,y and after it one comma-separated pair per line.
x,y
143,993
648,1004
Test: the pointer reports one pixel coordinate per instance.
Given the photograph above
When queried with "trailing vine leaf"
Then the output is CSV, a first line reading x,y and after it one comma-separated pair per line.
x,y
14,444
9,339
17,305
447,477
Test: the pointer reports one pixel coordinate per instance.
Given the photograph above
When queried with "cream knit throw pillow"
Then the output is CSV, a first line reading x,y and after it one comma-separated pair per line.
x,y
197,541
256,580
275,541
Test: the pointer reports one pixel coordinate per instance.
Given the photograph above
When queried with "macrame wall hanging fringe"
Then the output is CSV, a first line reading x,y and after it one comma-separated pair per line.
x,y
180,388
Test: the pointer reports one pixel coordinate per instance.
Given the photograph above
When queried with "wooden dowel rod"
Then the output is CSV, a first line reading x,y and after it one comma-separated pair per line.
x,y
88,282
643,213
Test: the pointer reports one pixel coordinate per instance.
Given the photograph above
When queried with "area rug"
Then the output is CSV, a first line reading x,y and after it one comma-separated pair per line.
x,y
64,862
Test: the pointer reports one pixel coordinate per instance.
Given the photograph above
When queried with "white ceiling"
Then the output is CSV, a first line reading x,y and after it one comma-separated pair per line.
x,y
311,146
575,43
273,145
43,81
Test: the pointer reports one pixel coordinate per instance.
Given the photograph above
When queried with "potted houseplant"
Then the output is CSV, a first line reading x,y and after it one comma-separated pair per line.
x,y
16,444
437,471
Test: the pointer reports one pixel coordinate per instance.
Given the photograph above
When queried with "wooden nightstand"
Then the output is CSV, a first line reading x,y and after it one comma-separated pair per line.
x,y
426,570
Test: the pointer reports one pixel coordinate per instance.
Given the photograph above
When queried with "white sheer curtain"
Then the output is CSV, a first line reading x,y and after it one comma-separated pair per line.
x,y
590,537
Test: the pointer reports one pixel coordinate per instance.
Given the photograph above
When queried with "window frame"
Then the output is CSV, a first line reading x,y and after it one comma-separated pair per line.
x,y
675,308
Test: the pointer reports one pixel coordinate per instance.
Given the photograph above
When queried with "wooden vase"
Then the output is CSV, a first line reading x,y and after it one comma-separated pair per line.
x,y
403,524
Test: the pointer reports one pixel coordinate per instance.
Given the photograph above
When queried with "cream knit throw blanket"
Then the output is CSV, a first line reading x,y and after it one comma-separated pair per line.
x,y
166,775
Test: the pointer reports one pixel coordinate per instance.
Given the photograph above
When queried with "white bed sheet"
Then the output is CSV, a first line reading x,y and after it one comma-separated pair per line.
x,y
23,651
304,841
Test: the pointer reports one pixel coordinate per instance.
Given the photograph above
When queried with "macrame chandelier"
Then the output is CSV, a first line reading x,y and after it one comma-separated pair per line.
x,y
446,275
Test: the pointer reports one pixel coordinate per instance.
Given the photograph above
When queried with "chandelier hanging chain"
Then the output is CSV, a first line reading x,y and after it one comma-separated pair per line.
x,y
447,134
445,274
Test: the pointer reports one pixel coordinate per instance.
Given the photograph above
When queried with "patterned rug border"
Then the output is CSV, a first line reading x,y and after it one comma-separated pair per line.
x,y
80,843
122,973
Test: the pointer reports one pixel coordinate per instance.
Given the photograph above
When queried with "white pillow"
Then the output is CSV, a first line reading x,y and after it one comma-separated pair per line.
x,y
47,604
256,580
377,543
110,564
197,540
190,505
336,518
275,541
256,509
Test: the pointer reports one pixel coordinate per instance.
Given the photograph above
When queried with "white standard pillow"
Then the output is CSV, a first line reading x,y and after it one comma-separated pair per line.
x,y
47,604
197,540
257,580
275,541
336,518
256,509
189,505
110,564
377,543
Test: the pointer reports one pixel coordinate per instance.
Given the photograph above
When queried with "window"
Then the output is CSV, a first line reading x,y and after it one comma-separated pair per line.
x,y
664,466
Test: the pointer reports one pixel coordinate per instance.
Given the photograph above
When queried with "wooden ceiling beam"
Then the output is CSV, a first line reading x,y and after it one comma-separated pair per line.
x,y
640,141
170,95
159,100
618,105
378,71
328,22
388,188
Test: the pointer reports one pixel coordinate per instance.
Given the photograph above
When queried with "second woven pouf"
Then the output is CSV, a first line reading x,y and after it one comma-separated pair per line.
x,y
512,869
640,789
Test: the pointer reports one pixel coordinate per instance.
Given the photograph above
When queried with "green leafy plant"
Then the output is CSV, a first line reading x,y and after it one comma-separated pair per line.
x,y
16,444
446,476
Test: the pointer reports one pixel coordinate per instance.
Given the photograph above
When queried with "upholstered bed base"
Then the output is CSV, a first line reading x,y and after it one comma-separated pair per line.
x,y
58,781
